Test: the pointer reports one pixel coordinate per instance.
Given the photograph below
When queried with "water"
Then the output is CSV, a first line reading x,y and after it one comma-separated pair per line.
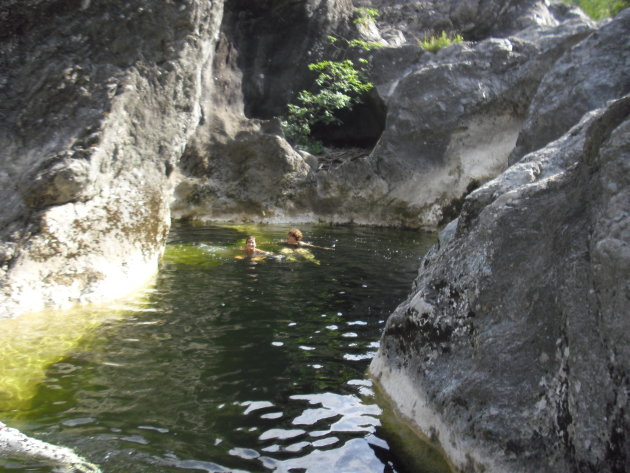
x,y
225,364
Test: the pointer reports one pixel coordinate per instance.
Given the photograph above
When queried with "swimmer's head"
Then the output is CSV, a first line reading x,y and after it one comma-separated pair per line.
x,y
295,233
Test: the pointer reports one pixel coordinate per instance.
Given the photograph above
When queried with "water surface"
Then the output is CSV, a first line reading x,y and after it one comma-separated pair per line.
x,y
231,365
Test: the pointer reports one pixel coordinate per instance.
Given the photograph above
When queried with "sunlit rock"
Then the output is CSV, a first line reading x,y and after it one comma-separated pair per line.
x,y
14,444
92,126
584,78
453,118
512,349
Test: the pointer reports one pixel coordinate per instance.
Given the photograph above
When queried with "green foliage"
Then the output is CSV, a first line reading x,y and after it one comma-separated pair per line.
x,y
366,15
433,43
364,45
619,5
598,9
339,85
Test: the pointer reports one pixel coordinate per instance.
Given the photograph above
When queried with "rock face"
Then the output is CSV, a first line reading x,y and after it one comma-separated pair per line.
x,y
444,122
452,120
98,102
588,82
413,20
237,164
513,348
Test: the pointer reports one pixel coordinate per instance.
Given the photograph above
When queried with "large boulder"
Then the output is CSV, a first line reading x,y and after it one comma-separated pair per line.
x,y
98,102
255,176
513,348
587,76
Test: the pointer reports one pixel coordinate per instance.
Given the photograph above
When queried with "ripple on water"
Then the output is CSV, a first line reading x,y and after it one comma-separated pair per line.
x,y
227,365
281,434
256,406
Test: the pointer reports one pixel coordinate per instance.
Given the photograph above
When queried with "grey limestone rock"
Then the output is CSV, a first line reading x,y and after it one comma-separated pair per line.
x,y
443,123
476,20
513,347
584,78
15,445
453,118
255,176
98,102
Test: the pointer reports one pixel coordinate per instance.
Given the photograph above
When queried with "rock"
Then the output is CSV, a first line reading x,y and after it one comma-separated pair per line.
x,y
587,76
14,444
91,128
275,40
443,123
452,120
255,176
513,348
475,20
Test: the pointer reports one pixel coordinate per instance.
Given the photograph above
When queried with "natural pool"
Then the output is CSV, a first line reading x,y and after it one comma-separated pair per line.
x,y
224,364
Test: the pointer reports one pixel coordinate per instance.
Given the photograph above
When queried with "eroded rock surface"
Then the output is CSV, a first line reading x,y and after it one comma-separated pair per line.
x,y
444,122
98,102
591,73
513,348
453,118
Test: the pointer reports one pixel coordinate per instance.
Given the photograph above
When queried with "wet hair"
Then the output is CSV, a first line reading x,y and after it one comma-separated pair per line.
x,y
250,237
297,234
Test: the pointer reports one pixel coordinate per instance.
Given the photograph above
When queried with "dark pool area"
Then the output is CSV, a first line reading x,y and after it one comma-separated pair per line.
x,y
233,365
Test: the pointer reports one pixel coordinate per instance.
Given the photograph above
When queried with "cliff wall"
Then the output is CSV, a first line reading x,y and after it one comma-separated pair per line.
x,y
98,103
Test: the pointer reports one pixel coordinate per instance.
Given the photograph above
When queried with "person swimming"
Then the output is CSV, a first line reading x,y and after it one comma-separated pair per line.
x,y
294,240
251,250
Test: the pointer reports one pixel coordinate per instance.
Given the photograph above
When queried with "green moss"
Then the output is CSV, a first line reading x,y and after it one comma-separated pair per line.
x,y
598,9
434,43
31,343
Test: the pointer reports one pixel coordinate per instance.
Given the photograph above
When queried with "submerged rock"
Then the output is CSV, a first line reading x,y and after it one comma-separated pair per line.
x,y
15,445
513,347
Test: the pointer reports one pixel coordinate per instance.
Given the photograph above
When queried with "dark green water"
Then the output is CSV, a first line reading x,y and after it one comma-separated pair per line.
x,y
236,364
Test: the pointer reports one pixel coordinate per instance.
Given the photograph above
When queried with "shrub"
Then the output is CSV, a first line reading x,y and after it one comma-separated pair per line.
x,y
366,15
339,86
433,43
598,9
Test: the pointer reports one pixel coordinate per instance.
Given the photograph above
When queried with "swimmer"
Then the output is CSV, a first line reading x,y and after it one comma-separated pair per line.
x,y
294,240
251,250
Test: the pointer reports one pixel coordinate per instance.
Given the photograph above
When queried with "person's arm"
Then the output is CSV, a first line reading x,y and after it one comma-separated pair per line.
x,y
316,246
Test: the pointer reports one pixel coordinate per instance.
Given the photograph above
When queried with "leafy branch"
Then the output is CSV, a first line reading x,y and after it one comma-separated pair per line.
x,y
339,85
366,15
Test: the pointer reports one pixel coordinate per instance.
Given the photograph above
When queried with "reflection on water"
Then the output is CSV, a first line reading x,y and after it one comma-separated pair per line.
x,y
231,364
31,343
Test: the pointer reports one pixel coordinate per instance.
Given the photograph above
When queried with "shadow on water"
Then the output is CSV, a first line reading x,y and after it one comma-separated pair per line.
x,y
230,364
